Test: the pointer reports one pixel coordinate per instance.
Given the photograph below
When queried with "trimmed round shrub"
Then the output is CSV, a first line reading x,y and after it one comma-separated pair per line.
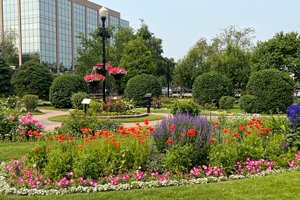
x,y
274,90
77,98
248,103
226,102
185,107
63,87
211,86
32,78
138,86
30,102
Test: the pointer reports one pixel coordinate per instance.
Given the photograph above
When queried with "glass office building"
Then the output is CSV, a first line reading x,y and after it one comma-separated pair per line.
x,y
47,29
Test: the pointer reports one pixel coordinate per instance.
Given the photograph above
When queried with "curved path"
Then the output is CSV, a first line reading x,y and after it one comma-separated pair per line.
x,y
48,125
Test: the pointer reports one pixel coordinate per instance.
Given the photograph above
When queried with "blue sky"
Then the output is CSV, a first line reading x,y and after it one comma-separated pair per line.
x,y
180,24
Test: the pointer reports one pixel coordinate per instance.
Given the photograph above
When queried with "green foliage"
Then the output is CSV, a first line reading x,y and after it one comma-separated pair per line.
x,y
139,85
77,98
12,102
274,90
279,52
248,103
184,107
8,48
137,59
5,78
30,102
62,88
211,86
234,63
32,78
226,102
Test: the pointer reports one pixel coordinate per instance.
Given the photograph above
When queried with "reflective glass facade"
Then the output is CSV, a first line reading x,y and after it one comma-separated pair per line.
x,y
114,21
92,20
124,23
48,30
79,24
46,27
10,16
30,12
65,33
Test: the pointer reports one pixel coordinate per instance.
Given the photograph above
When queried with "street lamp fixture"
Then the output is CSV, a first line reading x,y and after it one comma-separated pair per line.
x,y
103,32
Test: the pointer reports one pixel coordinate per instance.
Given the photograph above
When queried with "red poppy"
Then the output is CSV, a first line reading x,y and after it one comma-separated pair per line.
x,y
48,148
170,141
216,123
191,132
116,144
228,140
71,138
35,148
211,140
181,134
216,126
225,131
122,140
248,132
257,126
261,133
267,130
80,147
242,127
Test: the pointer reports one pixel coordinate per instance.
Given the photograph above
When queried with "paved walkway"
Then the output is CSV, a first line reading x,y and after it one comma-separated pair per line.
x,y
48,125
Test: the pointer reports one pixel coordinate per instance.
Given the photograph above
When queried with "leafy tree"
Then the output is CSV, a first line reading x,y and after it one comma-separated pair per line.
x,y
280,52
32,78
5,78
8,49
235,64
137,59
154,45
235,36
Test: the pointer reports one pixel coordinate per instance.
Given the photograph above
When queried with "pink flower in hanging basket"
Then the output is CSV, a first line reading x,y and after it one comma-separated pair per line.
x,y
100,66
94,77
117,70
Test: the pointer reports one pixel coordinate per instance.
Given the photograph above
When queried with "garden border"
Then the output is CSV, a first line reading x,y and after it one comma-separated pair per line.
x,y
122,116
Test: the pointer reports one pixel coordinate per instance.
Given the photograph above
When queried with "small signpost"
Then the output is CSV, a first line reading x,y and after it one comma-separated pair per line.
x,y
148,96
86,102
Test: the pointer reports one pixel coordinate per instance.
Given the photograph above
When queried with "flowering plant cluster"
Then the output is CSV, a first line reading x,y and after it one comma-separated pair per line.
x,y
100,66
94,77
157,103
117,70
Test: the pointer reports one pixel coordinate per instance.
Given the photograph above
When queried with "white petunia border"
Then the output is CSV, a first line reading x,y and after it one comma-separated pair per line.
x,y
7,190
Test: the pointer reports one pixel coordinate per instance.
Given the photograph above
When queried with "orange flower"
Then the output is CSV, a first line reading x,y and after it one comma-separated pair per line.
x,y
225,131
22,133
170,141
80,147
107,140
71,138
228,140
30,132
146,122
211,140
48,148
257,126
94,137
35,148
90,136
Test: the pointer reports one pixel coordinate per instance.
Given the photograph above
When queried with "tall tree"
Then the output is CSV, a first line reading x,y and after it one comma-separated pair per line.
x,y
234,63
5,78
280,52
8,49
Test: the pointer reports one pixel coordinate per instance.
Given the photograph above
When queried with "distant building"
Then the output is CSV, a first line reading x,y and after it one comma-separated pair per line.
x,y
48,28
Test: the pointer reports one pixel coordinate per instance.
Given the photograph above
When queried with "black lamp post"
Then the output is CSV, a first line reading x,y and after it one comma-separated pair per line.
x,y
168,72
104,34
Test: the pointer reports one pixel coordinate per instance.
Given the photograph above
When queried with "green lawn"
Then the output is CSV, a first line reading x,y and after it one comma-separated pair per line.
x,y
52,108
277,186
33,113
154,110
60,118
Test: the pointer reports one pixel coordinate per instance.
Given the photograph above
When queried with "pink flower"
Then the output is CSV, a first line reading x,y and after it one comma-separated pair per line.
x,y
38,182
95,184
59,183
70,173
81,178
36,178
115,182
40,125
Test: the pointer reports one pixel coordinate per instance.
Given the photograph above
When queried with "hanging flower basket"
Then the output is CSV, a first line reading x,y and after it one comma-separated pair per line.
x,y
117,72
99,67
94,79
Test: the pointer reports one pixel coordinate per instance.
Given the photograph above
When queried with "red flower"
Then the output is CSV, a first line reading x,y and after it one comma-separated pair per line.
x,y
257,126
254,120
122,140
191,132
211,140
80,147
110,105
228,140
146,122
181,134
71,138
216,126
225,131
116,144
267,130
48,148
248,132
261,133
35,148
216,123
242,127
170,141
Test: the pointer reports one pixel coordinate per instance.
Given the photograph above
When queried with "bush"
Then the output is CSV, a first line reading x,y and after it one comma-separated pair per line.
x,y
30,102
248,103
5,77
77,98
274,90
157,103
62,88
185,107
139,85
32,78
211,86
12,102
226,102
